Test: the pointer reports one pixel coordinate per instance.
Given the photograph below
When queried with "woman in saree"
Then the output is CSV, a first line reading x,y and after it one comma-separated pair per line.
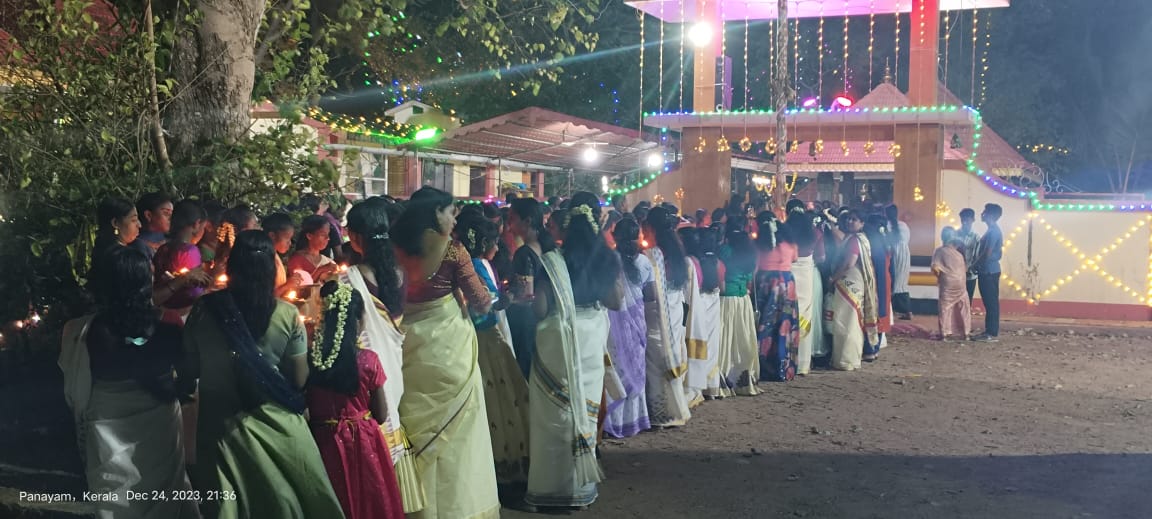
x,y
526,219
346,405
443,404
876,230
777,327
739,353
704,319
803,233
666,358
377,278
850,309
248,351
505,390
117,367
628,416
579,281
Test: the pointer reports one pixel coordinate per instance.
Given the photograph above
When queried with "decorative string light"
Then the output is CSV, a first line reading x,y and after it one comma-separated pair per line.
x,y
1093,263
378,127
975,33
790,186
683,28
795,34
772,47
640,14
644,181
871,40
745,143
820,56
660,82
844,68
984,60
897,75
947,43
1037,148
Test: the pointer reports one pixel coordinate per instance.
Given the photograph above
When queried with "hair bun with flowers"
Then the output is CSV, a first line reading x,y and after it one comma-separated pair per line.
x,y
586,212
338,300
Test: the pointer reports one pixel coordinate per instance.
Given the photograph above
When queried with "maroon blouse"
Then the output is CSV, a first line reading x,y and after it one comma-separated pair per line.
x,y
455,272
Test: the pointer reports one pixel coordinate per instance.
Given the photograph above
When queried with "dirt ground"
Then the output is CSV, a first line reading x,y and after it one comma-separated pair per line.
x,y
1044,424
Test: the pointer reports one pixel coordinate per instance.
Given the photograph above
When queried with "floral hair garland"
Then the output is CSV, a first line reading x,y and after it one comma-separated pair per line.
x,y
226,234
338,300
587,213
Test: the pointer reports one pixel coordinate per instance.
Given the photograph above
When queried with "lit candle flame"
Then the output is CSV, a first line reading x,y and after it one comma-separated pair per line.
x,y
753,235
343,268
644,243
222,279
19,324
183,271
292,294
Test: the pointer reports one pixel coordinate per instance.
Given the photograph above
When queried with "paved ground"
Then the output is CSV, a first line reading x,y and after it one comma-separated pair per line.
x,y
1045,424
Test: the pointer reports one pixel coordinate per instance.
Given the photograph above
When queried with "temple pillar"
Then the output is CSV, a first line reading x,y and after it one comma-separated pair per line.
x,y
538,184
491,181
705,176
413,176
922,146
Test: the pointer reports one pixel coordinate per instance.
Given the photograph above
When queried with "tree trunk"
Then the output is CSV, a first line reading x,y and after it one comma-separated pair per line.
x,y
215,70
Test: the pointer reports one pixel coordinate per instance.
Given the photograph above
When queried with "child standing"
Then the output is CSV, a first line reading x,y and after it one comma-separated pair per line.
x,y
948,265
345,394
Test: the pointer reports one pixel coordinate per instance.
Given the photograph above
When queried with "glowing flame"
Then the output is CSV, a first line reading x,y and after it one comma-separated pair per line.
x,y
292,295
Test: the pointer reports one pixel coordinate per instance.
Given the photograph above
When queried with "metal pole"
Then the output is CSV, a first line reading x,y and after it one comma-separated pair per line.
x,y
783,93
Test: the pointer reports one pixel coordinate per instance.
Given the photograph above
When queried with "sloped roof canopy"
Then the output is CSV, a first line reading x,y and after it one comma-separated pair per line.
x,y
546,138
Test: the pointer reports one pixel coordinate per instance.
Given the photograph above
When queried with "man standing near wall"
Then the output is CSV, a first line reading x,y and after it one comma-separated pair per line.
x,y
991,249
971,242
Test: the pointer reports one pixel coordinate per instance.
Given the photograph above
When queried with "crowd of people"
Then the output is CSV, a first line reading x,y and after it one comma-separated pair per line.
x,y
436,359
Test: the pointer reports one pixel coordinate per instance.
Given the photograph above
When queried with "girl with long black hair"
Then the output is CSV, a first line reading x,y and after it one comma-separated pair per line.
x,y
248,351
505,390
777,327
629,335
707,306
376,277
526,221
117,223
800,227
666,358
346,406
703,321
443,405
579,282
117,366
739,363
851,310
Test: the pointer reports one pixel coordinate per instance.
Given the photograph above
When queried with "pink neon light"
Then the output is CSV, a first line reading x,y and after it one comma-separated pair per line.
x,y
842,102
811,102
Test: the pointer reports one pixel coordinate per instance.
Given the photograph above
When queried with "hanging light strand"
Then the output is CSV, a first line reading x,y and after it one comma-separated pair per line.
x,y
947,43
660,77
871,40
975,34
683,27
640,14
984,59
746,89
820,58
844,67
896,75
